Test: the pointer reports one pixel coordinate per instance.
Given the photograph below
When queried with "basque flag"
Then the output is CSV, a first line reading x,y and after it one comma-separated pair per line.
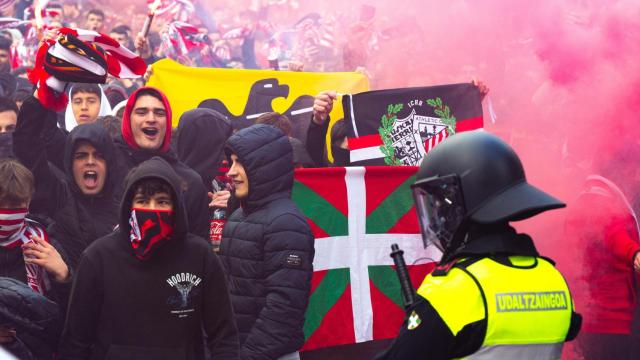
x,y
400,126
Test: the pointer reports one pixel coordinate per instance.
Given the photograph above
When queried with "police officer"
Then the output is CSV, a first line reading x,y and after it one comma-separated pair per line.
x,y
492,296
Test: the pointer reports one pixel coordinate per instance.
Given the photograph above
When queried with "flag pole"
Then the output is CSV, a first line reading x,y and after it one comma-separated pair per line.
x,y
147,22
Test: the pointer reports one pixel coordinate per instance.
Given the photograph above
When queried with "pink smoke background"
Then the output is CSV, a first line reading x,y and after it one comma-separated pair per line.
x,y
564,78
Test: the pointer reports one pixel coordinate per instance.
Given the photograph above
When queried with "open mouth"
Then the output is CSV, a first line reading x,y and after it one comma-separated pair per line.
x,y
90,179
151,132
83,118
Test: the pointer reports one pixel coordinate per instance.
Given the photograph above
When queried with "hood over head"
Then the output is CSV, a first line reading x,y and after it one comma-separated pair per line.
x,y
300,155
127,134
115,94
97,136
70,121
201,137
154,168
267,157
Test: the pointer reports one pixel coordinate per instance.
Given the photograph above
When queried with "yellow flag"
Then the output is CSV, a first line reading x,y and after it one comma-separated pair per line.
x,y
243,95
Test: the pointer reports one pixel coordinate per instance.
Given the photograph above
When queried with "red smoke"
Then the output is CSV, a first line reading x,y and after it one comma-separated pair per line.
x,y
564,78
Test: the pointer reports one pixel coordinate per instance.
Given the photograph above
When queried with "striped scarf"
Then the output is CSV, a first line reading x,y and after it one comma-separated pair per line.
x,y
15,230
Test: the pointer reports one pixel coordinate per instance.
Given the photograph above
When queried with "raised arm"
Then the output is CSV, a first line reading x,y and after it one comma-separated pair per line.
x,y
30,139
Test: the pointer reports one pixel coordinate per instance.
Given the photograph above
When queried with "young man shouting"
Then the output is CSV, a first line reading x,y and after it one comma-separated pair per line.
x,y
81,199
148,290
146,132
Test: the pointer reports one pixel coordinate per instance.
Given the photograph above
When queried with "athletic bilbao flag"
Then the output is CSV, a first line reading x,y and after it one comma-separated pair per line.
x,y
400,126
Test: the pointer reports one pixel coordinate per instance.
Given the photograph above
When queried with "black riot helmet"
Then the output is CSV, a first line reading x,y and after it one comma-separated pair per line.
x,y
472,178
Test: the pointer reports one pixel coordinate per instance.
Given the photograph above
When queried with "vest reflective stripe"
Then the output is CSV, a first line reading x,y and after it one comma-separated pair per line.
x,y
524,306
532,351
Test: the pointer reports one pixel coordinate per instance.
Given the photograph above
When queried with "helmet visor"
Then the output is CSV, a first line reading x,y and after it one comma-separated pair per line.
x,y
440,208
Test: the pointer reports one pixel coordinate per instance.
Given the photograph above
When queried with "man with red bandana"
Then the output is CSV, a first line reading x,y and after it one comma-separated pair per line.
x,y
146,132
150,289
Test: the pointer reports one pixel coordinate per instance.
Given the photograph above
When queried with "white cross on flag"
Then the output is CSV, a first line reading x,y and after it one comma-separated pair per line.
x,y
356,214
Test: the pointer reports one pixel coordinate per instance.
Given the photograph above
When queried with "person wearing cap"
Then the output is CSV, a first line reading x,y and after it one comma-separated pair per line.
x,y
492,295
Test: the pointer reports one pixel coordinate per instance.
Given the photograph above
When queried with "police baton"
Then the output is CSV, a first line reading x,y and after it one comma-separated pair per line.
x,y
408,292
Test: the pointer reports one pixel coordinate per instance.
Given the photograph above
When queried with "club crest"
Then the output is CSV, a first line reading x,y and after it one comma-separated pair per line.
x,y
407,140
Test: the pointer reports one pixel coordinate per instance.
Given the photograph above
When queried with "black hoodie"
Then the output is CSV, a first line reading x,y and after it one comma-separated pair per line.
x,y
125,308
267,248
79,219
201,136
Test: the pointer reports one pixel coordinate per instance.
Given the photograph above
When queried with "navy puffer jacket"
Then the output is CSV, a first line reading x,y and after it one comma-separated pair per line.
x,y
36,319
267,248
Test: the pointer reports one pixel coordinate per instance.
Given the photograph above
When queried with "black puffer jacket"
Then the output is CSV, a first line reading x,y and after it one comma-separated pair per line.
x,y
79,219
267,248
37,320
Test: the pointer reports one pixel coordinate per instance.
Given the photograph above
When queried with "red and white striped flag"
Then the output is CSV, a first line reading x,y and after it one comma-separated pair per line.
x,y
435,140
171,9
180,39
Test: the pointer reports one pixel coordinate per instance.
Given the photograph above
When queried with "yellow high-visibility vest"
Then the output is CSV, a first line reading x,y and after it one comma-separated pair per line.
x,y
527,306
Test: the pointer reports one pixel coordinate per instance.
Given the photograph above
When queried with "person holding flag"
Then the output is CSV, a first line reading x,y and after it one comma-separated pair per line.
x,y
80,193
77,55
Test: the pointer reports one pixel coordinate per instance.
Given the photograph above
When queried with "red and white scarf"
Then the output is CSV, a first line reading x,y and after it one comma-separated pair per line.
x,y
121,63
15,231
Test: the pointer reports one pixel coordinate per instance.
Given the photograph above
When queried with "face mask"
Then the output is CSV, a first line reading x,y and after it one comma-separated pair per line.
x,y
11,223
150,229
6,145
340,156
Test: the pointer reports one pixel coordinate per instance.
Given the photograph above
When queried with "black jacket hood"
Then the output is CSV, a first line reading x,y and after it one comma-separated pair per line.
x,y
300,154
201,138
97,136
154,168
267,157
